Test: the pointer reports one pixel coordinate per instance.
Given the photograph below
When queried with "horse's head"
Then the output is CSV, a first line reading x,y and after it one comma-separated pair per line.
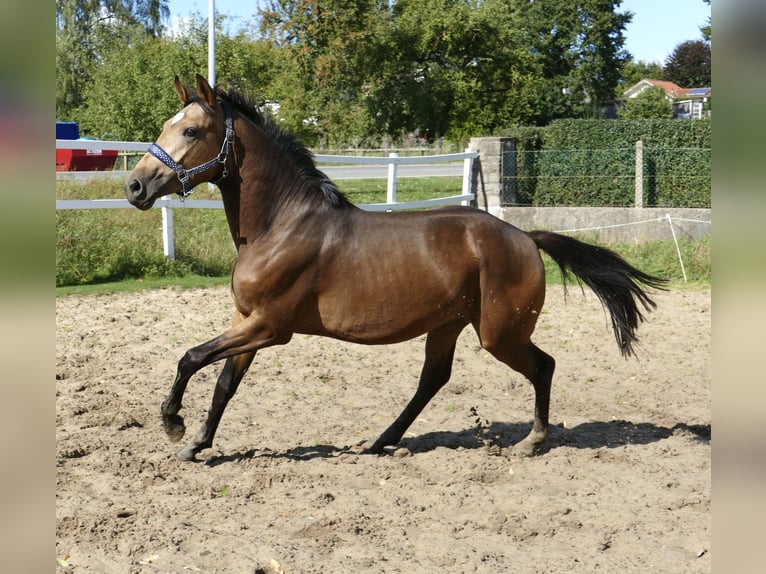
x,y
193,148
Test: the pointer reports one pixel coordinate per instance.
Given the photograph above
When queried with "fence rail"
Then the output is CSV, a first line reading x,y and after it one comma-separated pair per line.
x,y
392,161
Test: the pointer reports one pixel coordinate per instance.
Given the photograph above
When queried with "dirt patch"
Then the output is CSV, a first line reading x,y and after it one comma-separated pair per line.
x,y
623,485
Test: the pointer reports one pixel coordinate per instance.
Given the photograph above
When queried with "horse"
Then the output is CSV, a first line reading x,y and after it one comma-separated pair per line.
x,y
311,262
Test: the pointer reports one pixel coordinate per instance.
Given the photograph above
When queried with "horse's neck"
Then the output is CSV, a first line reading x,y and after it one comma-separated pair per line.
x,y
231,201
251,193
238,183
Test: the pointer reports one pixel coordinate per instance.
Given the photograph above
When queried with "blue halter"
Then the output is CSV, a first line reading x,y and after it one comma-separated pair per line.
x,y
184,175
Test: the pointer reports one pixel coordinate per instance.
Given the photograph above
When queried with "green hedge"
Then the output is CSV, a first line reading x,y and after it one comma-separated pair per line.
x,y
592,163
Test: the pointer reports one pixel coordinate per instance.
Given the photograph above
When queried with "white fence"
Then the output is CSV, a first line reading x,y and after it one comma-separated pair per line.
x,y
393,161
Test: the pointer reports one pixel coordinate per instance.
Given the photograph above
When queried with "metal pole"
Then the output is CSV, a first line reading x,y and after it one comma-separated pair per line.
x,y
211,54
211,43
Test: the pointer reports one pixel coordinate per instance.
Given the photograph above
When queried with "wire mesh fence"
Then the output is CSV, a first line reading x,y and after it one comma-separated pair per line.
x,y
672,177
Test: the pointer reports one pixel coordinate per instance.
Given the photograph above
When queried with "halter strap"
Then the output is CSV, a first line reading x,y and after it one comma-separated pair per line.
x,y
184,175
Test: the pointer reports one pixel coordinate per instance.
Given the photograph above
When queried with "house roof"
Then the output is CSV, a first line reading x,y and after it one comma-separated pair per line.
x,y
672,90
699,92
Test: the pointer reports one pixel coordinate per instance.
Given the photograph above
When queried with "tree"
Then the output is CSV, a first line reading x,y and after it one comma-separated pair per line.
x,y
475,67
151,14
351,72
148,67
330,55
87,28
634,72
578,49
689,64
150,64
707,28
456,64
651,103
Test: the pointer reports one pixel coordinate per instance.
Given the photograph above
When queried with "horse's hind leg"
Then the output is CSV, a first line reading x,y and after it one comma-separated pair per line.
x,y
538,367
233,370
437,368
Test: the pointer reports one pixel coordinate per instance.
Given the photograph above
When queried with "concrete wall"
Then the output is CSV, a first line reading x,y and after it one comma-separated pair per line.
x,y
602,224
611,224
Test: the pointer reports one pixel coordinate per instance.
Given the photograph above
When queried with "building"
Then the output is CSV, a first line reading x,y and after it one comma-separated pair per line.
x,y
687,103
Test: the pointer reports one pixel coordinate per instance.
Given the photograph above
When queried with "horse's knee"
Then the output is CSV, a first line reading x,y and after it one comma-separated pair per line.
x,y
189,363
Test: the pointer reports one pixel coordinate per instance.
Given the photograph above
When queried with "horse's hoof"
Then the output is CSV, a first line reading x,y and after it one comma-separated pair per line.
x,y
370,447
531,443
523,451
187,454
174,427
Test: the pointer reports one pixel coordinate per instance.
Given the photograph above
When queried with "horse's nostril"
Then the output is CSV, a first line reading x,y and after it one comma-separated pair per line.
x,y
136,189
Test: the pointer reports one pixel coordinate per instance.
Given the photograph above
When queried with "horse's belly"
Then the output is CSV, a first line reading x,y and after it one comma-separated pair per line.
x,y
382,317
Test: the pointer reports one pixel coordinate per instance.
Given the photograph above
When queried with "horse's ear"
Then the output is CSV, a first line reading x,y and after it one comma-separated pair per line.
x,y
205,92
184,93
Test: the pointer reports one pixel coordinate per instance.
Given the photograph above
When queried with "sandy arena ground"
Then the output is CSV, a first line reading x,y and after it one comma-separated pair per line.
x,y
623,485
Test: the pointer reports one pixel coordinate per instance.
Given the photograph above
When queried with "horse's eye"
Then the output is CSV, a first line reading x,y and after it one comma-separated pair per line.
x,y
190,132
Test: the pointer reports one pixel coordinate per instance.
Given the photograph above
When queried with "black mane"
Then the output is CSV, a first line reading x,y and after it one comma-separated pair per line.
x,y
288,142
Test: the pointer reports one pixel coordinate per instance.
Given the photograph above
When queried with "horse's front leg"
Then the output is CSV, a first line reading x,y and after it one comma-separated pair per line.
x,y
228,381
193,360
172,421
243,339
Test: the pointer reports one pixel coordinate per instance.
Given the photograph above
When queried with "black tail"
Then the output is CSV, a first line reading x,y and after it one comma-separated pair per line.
x,y
617,284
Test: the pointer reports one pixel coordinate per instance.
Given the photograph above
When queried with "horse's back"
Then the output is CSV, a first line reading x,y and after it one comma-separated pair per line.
x,y
457,239
503,250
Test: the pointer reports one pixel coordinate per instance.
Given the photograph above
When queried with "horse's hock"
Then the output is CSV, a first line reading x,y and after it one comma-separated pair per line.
x,y
493,182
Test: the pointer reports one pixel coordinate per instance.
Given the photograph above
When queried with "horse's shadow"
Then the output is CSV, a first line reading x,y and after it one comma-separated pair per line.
x,y
591,435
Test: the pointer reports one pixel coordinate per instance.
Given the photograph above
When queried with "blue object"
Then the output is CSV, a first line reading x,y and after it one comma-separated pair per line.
x,y
67,130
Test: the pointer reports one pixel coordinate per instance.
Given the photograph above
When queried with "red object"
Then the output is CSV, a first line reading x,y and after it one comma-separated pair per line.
x,y
85,160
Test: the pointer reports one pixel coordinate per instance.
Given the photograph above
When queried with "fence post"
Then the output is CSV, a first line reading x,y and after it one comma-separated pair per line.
x,y
639,200
168,244
489,171
391,187
467,175
508,172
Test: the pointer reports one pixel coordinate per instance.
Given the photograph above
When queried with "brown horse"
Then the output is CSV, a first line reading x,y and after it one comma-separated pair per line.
x,y
308,261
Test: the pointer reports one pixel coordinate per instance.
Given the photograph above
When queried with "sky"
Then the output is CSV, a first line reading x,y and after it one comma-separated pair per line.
x,y
658,26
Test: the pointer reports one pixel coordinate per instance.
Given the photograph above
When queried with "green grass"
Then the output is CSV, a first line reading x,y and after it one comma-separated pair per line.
x,y
362,191
103,251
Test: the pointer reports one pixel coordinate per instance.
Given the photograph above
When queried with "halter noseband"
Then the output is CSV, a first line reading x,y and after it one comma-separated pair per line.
x,y
184,175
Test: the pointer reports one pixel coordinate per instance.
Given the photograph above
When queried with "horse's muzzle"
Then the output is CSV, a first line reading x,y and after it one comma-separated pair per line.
x,y
136,194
